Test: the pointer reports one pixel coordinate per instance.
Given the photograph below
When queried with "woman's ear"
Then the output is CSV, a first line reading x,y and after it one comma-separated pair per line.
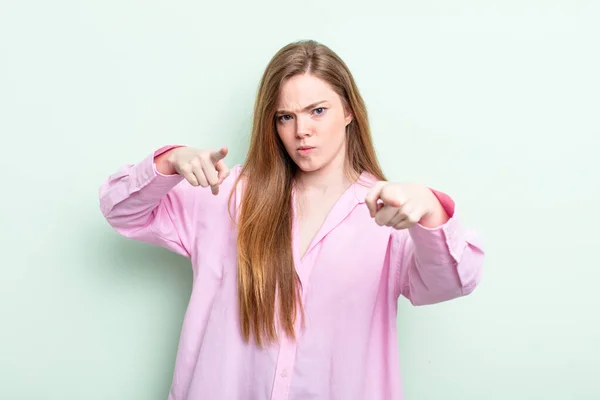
x,y
348,115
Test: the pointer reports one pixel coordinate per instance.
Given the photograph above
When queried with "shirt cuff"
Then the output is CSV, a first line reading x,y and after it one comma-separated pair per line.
x,y
443,244
445,200
146,172
160,151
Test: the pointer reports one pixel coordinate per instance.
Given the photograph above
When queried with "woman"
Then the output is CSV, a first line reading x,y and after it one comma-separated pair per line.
x,y
299,256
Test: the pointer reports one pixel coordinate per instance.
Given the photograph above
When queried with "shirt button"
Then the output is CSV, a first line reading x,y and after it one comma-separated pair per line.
x,y
284,374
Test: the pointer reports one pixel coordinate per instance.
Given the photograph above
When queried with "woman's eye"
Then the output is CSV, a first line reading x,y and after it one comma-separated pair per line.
x,y
319,110
284,118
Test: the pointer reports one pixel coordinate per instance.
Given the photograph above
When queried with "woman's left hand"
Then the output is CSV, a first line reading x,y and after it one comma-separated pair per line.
x,y
402,205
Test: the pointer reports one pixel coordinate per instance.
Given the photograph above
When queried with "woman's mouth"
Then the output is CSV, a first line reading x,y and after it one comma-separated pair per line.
x,y
305,150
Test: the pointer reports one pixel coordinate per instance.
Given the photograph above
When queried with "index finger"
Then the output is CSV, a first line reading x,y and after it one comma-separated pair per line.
x,y
373,196
217,156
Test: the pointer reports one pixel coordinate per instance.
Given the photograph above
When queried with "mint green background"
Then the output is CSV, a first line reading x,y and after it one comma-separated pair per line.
x,y
494,102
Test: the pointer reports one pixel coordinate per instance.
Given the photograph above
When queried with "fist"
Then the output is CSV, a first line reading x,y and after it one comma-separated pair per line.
x,y
200,167
399,205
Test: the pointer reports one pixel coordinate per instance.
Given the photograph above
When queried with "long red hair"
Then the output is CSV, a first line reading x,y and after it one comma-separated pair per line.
x,y
266,272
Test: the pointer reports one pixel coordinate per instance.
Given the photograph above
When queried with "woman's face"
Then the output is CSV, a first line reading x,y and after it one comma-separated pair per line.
x,y
311,121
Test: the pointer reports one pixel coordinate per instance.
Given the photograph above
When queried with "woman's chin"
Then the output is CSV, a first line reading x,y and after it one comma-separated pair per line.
x,y
307,165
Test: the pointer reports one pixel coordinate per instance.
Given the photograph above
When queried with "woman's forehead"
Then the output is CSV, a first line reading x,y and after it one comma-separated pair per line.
x,y
301,91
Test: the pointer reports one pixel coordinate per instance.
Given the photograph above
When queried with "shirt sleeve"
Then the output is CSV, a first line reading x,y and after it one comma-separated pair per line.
x,y
437,264
141,203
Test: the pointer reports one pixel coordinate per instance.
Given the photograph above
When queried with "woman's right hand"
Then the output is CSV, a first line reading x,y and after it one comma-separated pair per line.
x,y
200,167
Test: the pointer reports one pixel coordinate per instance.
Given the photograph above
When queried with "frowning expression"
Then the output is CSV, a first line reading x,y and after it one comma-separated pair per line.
x,y
311,121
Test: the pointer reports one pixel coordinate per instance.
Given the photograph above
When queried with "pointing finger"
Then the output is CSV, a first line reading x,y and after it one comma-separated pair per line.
x,y
217,156
373,196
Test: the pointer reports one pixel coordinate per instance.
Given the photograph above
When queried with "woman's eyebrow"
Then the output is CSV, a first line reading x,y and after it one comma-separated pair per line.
x,y
307,108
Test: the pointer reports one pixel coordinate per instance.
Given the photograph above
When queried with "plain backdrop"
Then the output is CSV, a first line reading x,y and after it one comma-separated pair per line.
x,y
494,102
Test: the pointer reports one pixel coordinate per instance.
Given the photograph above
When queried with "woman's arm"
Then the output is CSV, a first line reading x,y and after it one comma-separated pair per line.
x,y
142,204
437,259
155,200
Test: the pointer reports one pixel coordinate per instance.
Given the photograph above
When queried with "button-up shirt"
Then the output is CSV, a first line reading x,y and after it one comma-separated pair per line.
x,y
352,276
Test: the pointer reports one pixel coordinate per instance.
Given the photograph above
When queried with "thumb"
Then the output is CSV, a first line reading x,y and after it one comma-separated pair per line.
x,y
217,156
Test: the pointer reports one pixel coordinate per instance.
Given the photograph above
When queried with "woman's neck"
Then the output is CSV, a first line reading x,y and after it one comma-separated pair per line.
x,y
333,178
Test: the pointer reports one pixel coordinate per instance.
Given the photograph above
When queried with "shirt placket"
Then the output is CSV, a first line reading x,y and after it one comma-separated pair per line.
x,y
285,366
288,346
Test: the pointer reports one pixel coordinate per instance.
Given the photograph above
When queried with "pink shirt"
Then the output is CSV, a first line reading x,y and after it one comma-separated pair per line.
x,y
352,276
